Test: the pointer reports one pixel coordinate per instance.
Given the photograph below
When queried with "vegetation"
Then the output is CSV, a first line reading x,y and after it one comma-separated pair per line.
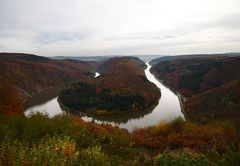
x,y
10,102
190,76
30,74
66,140
85,97
122,87
209,84
224,103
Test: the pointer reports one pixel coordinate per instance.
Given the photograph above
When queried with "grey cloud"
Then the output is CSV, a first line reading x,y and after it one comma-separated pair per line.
x,y
88,27
52,37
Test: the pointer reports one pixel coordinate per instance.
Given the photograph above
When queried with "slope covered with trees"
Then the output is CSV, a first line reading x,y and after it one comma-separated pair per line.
x,y
222,103
121,87
210,85
195,75
27,74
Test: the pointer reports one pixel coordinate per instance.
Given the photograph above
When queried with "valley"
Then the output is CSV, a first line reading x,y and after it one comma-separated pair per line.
x,y
167,109
138,121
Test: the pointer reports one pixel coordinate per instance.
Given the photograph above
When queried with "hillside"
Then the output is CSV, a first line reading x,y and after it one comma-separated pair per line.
x,y
155,60
210,85
122,86
222,103
197,74
28,74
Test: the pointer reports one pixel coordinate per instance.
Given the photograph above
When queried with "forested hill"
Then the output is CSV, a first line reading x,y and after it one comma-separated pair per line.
x,y
210,83
195,75
24,75
113,62
122,86
155,61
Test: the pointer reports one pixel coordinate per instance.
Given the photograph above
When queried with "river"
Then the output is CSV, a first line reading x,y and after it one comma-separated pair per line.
x,y
167,109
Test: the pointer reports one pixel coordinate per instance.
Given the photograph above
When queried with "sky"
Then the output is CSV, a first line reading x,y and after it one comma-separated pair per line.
x,y
119,27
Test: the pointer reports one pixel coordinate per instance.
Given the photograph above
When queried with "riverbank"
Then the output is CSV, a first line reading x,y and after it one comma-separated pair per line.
x,y
43,96
110,117
180,97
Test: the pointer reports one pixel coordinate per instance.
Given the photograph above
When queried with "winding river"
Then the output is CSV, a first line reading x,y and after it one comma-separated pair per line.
x,y
166,110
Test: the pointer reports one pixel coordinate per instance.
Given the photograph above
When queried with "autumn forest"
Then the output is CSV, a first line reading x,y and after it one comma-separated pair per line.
x,y
207,87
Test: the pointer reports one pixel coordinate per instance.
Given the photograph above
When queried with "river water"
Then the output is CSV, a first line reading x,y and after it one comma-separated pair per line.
x,y
167,109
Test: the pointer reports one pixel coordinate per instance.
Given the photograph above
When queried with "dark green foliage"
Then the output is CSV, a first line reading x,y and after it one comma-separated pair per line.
x,y
83,96
119,102
80,98
177,124
33,129
95,156
175,159
193,79
230,159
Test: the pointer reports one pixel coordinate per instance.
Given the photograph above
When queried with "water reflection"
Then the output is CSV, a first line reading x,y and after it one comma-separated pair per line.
x,y
167,109
51,108
97,75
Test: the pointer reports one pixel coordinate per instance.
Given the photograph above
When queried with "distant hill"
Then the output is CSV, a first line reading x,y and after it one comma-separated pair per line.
x,y
147,58
30,74
144,58
83,58
191,56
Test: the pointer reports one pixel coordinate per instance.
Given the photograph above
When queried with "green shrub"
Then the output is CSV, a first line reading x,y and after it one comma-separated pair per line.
x,y
94,156
50,151
230,159
227,126
177,124
163,128
181,159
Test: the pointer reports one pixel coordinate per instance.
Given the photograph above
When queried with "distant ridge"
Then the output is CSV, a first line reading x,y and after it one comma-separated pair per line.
x,y
23,56
82,58
144,58
190,56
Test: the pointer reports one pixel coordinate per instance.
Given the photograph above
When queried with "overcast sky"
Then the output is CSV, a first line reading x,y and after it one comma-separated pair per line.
x,y
119,27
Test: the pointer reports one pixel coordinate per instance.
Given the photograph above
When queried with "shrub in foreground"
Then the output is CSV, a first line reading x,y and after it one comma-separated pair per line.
x,y
180,159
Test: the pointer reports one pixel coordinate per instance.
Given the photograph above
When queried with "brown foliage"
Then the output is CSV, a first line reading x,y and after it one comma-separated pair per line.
x,y
122,85
211,84
9,100
220,103
191,76
192,136
31,74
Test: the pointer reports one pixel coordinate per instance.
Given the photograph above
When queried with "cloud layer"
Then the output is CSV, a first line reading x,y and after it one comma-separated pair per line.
x,y
119,27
